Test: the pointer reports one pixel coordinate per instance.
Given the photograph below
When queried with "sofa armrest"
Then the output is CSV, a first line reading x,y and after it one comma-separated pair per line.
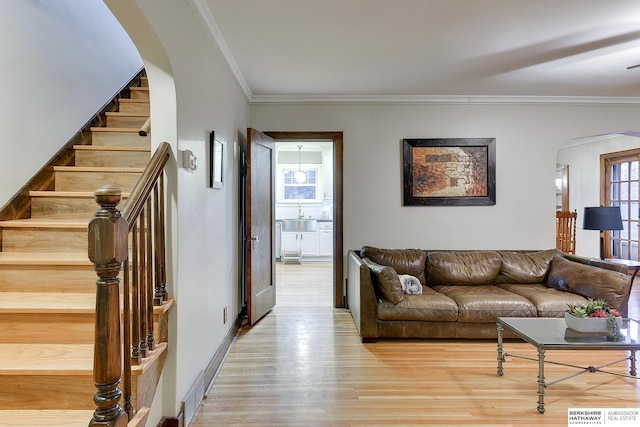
x,y
590,280
361,298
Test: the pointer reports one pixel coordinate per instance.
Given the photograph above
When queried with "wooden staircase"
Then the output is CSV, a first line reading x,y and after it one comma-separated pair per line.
x,y
47,283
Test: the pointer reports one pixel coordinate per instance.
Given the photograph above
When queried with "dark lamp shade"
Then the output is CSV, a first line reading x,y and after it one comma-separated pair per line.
x,y
602,218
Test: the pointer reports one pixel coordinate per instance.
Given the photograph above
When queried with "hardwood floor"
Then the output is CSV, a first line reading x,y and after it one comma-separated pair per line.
x,y
304,285
304,365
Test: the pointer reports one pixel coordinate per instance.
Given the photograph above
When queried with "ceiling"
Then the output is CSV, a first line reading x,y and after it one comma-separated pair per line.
x,y
429,50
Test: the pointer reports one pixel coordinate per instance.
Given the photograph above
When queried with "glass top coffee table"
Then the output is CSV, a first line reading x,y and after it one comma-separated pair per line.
x,y
553,334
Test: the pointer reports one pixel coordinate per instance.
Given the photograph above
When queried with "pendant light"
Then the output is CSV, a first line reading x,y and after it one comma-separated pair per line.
x,y
299,175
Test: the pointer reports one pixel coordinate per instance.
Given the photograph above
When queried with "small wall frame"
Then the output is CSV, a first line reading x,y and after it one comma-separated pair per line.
x,y
449,171
216,161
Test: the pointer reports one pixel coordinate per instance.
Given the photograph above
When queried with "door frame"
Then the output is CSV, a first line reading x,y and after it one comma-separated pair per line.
x,y
338,250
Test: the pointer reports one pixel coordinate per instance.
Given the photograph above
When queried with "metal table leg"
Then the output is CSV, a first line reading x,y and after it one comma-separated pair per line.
x,y
541,383
500,356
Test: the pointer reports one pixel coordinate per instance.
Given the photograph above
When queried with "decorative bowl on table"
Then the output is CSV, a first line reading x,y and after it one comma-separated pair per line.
x,y
591,324
594,316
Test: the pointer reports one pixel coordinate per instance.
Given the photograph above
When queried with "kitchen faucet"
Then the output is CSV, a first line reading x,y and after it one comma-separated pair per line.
x,y
300,214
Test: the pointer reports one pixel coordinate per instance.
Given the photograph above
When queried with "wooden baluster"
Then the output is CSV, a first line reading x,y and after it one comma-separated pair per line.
x,y
126,322
107,235
157,295
150,282
162,242
136,357
142,288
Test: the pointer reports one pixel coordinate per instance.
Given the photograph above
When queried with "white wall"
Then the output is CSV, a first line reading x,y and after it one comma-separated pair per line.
x,y
204,236
58,69
584,181
527,142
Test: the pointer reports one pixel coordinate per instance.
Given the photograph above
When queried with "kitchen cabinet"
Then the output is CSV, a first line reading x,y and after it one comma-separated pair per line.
x,y
309,244
325,238
305,243
327,162
278,239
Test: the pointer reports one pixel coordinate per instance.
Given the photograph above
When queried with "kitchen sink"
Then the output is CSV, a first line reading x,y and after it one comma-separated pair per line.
x,y
299,225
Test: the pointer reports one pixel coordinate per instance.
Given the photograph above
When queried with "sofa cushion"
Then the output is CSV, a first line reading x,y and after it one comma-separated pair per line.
x,y
485,303
525,267
588,281
463,268
403,261
430,306
549,302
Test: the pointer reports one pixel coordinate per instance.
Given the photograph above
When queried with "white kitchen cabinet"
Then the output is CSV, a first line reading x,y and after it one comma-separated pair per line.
x,y
327,161
325,238
290,243
278,239
309,243
305,243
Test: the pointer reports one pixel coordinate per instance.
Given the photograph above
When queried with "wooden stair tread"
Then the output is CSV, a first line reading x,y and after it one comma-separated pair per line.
x,y
133,101
44,258
125,114
114,129
67,302
45,417
164,307
96,169
111,148
150,359
68,194
46,223
59,359
47,302
46,359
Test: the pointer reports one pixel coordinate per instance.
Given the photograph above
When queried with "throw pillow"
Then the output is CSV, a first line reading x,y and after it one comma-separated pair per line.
x,y
588,281
390,285
404,261
410,284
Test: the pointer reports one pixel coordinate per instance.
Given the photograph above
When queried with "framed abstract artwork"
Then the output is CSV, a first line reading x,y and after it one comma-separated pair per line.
x,y
449,172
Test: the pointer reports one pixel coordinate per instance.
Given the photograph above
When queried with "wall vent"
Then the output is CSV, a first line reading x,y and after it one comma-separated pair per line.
x,y
193,399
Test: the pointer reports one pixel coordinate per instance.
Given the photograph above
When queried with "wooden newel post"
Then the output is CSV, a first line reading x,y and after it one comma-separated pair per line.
x,y
108,234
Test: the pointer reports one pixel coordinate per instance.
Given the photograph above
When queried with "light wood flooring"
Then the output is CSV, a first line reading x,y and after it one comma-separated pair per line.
x,y
304,365
304,285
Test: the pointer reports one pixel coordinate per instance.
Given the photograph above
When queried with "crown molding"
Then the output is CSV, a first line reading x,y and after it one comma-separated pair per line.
x,y
215,36
453,99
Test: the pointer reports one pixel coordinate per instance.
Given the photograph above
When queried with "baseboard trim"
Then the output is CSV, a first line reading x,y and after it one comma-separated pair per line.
x,y
209,374
216,362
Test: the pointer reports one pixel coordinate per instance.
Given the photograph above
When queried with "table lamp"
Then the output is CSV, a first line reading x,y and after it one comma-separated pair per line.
x,y
602,218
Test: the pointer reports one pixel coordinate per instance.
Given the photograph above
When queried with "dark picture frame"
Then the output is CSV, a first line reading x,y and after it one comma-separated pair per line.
x,y
216,161
449,171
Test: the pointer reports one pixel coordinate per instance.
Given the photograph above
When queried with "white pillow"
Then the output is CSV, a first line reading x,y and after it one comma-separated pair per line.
x,y
410,284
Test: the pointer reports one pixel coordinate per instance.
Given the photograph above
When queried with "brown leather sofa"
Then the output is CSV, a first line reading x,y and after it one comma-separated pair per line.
x,y
464,292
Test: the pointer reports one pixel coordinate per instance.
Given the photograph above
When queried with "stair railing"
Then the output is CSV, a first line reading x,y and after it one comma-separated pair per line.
x,y
142,222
